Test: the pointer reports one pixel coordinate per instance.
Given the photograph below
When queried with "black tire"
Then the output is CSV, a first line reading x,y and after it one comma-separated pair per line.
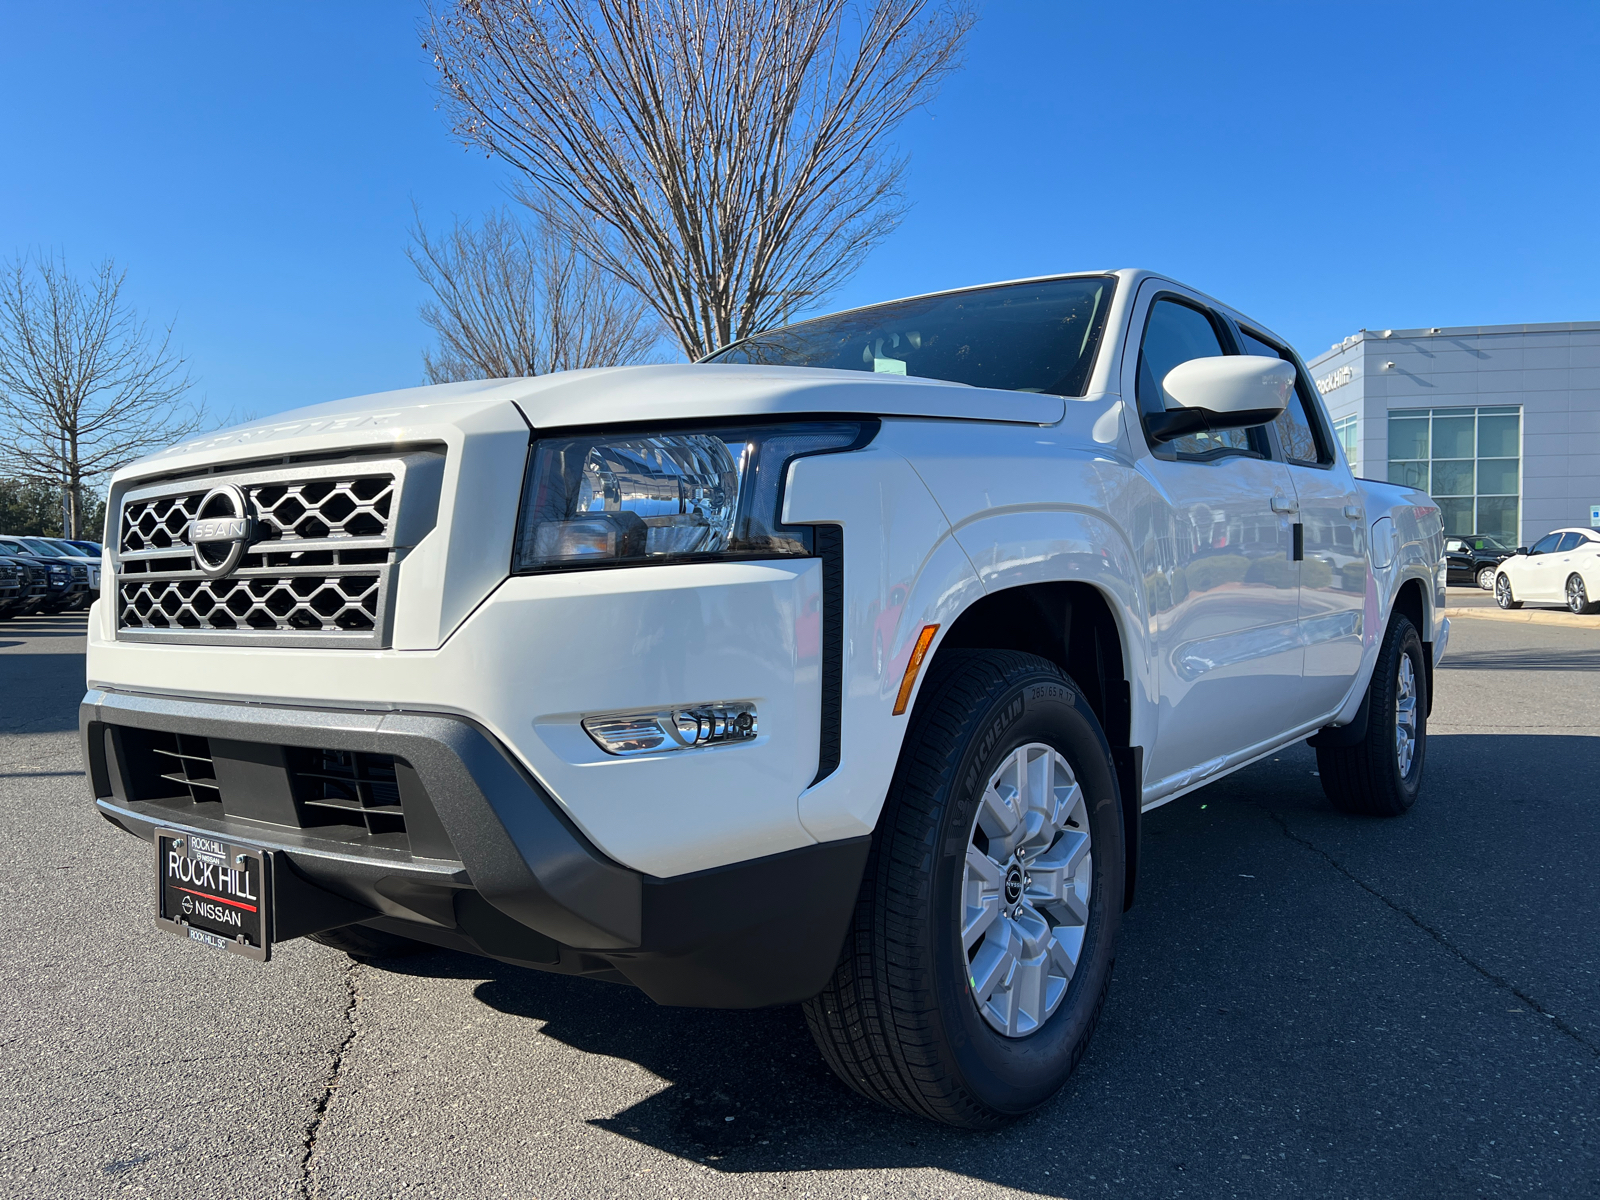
x,y
1502,592
1366,779
898,1021
1578,596
362,942
1486,578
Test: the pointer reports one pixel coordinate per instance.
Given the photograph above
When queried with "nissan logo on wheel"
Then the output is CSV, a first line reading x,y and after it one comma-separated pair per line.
x,y
223,531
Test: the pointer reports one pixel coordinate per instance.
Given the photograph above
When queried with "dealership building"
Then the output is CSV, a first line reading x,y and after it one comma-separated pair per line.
x,y
1499,423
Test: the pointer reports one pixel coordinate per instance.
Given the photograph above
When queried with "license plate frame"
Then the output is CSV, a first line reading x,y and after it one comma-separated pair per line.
x,y
214,891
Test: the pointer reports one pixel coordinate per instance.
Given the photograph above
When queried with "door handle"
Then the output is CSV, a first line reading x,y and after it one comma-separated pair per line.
x,y
1281,504
1353,511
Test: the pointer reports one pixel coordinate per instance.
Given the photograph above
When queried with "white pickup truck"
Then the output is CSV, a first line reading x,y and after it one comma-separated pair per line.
x,y
837,669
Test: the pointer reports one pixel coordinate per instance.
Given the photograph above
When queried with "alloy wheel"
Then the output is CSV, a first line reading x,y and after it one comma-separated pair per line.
x,y
1405,715
1502,591
1577,595
1025,890
1486,578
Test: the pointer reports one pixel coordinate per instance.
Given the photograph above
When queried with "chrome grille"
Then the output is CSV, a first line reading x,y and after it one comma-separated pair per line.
x,y
328,538
293,603
310,511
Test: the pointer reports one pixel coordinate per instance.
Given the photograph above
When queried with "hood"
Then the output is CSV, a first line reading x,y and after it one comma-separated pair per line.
x,y
605,396
715,390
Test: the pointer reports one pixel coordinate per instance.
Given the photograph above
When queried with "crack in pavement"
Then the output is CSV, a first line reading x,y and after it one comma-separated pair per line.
x,y
1497,980
330,1086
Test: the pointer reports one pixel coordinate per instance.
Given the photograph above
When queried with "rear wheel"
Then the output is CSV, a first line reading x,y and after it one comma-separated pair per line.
x,y
1381,775
1502,592
981,950
1486,578
1578,596
363,942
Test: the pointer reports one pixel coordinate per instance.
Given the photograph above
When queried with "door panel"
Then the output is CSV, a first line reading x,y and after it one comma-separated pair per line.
x,y
1224,589
1333,587
1333,572
1535,578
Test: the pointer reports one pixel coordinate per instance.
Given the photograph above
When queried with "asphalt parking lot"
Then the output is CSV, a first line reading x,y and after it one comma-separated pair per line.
x,y
1304,1004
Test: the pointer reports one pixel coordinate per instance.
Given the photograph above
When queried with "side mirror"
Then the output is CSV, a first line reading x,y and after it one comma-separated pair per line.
x,y
1234,392
1522,549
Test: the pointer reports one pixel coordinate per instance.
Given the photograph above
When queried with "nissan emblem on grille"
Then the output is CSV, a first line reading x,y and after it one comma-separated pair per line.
x,y
224,525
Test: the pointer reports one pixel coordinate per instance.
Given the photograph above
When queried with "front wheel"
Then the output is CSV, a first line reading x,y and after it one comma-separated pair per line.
x,y
1486,578
981,950
1578,596
1381,775
1502,592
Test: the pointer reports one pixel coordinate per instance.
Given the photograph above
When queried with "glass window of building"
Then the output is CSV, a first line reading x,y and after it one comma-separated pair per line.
x,y
1468,459
1345,430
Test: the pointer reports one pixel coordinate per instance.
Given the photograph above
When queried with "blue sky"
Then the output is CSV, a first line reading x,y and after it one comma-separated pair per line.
x,y
1321,166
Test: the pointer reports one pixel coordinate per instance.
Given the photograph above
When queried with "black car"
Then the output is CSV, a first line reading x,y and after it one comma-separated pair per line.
x,y
15,585
38,584
62,585
85,564
1471,561
84,572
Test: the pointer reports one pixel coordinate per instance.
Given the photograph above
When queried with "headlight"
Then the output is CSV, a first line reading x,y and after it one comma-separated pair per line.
x,y
630,498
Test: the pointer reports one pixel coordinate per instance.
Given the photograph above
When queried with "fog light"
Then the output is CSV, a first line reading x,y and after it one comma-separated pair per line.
x,y
673,728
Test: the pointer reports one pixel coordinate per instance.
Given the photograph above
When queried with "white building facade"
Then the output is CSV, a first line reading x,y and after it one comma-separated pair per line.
x,y
1499,423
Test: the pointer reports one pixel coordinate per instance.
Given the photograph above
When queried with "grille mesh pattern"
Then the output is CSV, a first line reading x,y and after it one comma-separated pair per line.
x,y
297,603
317,571
312,511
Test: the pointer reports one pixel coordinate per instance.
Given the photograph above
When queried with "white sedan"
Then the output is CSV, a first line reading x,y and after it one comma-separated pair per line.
x,y
1561,567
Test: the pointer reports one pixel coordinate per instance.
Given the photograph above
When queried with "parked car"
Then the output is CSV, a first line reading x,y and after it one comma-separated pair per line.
x,y
52,584
34,589
77,593
552,697
1561,567
91,557
14,587
1474,561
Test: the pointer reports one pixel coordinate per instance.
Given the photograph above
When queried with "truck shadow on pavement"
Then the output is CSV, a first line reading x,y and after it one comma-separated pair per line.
x,y
46,627
1265,1004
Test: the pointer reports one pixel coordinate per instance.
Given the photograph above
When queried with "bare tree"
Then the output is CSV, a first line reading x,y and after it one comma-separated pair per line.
x,y
726,158
85,384
513,298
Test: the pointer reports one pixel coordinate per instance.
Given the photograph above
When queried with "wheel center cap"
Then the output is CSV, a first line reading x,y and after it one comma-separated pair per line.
x,y
1013,884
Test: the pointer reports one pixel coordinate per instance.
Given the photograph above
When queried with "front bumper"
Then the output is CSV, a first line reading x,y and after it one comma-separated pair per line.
x,y
478,857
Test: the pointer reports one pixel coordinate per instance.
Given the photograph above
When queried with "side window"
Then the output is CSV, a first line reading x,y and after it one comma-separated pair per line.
x,y
1295,433
1546,544
1570,541
1454,545
1175,333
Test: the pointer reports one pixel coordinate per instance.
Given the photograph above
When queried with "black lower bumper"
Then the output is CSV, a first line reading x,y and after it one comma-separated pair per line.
x,y
423,824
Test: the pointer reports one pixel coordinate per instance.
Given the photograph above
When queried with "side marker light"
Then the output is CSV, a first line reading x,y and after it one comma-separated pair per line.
x,y
918,653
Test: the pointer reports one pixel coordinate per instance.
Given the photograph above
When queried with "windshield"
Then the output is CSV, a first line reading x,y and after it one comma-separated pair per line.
x,y
39,546
71,549
1487,543
1022,337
